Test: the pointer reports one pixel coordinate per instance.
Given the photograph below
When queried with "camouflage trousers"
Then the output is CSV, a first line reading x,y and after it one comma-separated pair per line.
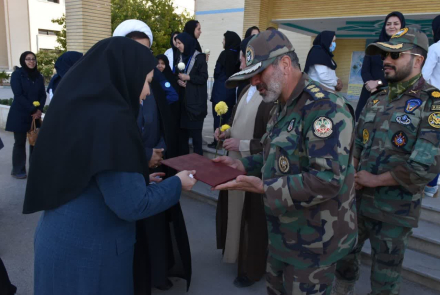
x,y
286,279
388,245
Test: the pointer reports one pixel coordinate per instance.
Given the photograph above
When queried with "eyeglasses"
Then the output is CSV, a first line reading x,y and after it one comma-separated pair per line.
x,y
395,55
30,59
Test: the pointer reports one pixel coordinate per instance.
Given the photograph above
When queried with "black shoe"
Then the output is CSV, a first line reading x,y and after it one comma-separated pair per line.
x,y
20,176
243,282
168,285
212,145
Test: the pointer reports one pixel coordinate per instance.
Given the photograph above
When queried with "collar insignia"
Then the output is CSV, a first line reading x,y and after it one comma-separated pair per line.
x,y
290,127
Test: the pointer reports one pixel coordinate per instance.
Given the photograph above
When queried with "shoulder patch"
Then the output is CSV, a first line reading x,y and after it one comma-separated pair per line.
x,y
434,94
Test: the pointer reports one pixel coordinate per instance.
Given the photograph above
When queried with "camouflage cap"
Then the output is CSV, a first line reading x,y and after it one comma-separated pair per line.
x,y
261,51
405,39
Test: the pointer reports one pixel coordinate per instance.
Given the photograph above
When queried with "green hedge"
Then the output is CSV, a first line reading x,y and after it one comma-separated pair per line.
x,y
8,102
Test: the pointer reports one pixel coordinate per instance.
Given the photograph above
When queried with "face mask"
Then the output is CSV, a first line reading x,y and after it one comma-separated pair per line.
x,y
333,47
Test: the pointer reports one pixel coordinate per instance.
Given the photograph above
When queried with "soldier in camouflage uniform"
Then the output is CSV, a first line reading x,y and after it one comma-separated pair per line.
x,y
308,174
397,149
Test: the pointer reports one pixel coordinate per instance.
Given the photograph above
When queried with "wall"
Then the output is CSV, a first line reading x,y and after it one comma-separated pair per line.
x,y
3,41
217,17
301,43
18,38
343,53
288,9
40,15
87,22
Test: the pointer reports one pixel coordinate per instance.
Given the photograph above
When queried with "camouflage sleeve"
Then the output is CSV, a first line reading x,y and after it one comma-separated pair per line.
x,y
253,164
358,140
424,163
328,130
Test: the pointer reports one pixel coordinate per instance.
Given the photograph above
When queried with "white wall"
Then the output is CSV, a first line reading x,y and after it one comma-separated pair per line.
x,y
215,22
40,15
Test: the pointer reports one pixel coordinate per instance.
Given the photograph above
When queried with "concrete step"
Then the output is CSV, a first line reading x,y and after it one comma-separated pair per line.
x,y
417,267
431,210
426,238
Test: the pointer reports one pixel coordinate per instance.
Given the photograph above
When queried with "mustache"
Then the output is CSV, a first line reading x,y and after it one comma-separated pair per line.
x,y
389,67
261,87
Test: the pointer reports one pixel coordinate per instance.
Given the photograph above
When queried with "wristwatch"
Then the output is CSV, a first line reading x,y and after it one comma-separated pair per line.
x,y
379,82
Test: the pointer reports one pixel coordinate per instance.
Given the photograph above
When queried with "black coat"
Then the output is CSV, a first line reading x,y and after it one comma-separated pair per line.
x,y
25,92
195,95
372,69
219,90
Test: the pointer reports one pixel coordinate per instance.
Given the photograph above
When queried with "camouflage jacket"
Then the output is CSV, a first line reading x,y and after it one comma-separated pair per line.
x,y
308,177
402,137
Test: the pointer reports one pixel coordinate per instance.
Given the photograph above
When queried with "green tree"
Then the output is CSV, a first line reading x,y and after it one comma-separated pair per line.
x,y
46,62
160,16
61,36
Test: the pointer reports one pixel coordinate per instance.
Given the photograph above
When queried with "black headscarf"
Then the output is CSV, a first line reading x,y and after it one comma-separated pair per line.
x,y
190,46
176,52
167,72
229,58
320,53
103,89
32,73
190,28
436,28
62,65
244,44
383,34
249,31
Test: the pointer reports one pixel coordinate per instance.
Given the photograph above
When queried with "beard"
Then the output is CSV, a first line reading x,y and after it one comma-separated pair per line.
x,y
398,75
273,88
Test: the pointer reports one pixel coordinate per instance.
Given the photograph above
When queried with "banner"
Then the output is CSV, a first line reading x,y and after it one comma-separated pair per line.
x,y
355,82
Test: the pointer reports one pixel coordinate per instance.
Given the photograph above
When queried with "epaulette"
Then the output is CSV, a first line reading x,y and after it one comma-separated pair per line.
x,y
316,91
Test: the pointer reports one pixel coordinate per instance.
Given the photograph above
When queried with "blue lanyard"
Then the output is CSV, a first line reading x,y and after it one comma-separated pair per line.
x,y
189,61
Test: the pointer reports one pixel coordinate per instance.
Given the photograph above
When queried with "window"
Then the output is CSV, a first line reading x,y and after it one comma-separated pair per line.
x,y
47,32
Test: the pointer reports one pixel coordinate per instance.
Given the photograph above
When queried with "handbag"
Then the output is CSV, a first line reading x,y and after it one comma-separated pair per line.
x,y
33,133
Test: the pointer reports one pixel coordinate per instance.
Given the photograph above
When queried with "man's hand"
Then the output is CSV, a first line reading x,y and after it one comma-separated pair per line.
x,y
228,161
156,158
181,83
218,135
365,179
156,177
339,86
184,77
243,183
232,144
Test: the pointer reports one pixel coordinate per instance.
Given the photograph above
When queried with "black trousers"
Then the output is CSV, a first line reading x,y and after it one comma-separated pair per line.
x,y
6,288
197,139
19,153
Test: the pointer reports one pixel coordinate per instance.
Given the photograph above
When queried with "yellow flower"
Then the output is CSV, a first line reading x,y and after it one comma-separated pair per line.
x,y
36,104
225,127
221,108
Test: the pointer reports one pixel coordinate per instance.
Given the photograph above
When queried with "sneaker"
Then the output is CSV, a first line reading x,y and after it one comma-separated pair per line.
x,y
20,176
430,190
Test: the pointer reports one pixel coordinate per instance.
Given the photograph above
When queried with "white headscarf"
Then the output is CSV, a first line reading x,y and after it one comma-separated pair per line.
x,y
133,25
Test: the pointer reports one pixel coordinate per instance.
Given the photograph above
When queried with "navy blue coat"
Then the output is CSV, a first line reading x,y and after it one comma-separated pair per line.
x,y
87,245
219,90
25,93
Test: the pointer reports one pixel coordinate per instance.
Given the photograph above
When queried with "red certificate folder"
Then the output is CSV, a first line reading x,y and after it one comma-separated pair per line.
x,y
208,171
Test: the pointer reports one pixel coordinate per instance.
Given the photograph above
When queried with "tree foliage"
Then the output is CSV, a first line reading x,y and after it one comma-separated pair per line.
x,y
61,35
159,15
46,62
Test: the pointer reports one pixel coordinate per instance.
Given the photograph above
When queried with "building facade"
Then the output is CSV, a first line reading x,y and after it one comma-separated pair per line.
x,y
26,25
356,23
